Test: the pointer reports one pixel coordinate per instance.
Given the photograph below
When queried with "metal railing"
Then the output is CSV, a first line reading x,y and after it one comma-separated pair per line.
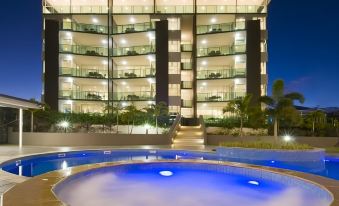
x,y
83,95
231,9
136,50
129,9
221,73
186,66
175,9
221,51
186,84
219,96
83,72
186,47
130,28
136,72
95,9
218,28
134,96
187,103
84,50
89,28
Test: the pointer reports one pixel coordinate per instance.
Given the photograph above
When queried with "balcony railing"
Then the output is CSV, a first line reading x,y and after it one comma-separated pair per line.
x,y
89,28
186,66
75,9
178,9
218,28
221,73
219,96
134,96
136,72
186,103
130,28
186,84
129,9
83,72
222,51
231,9
84,50
186,47
136,50
83,95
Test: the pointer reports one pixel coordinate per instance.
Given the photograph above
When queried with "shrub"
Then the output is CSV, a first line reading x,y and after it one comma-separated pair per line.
x,y
266,145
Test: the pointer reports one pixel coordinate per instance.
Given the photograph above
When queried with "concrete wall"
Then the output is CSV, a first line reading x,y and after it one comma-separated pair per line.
x,y
312,141
88,139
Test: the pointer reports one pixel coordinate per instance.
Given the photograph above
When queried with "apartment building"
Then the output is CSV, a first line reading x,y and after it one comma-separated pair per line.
x,y
194,55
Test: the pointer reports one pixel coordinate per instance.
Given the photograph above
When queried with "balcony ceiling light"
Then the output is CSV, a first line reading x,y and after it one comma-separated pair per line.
x,y
95,20
204,41
132,20
124,62
123,83
105,62
123,41
204,84
69,58
204,63
69,34
104,41
213,20
104,83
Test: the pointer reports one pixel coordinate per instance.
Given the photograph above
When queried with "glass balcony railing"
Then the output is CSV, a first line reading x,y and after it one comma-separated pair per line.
x,y
186,103
186,66
231,9
219,96
83,95
89,28
178,9
131,51
221,51
130,28
221,73
186,84
136,72
186,47
130,9
134,96
83,72
218,28
75,9
84,50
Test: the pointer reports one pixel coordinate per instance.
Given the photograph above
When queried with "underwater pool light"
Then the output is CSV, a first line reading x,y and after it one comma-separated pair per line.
x,y
252,182
166,173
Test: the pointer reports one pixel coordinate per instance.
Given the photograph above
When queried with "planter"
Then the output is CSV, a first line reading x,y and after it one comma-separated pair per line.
x,y
314,155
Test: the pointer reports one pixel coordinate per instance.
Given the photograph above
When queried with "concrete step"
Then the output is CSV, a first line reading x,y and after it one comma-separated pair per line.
x,y
189,141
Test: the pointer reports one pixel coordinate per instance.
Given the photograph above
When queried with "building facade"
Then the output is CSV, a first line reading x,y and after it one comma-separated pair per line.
x,y
194,55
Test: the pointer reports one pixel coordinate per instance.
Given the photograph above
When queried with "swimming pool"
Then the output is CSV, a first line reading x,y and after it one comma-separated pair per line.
x,y
187,183
31,166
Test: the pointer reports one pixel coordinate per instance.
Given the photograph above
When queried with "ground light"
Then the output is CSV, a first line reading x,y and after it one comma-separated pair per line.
x,y
64,125
287,138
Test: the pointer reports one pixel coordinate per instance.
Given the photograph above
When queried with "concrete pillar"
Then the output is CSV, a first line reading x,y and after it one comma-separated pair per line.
x,y
32,121
20,126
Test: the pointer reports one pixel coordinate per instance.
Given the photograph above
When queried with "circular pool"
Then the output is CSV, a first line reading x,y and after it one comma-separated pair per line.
x,y
187,183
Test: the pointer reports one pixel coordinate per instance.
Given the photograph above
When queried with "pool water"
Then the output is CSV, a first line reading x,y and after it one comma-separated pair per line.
x,y
167,185
36,165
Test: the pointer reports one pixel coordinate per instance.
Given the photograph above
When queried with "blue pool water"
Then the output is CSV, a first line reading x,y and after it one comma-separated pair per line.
x,y
182,184
35,165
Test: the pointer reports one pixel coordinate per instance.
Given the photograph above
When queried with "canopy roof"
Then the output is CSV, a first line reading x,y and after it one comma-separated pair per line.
x,y
15,102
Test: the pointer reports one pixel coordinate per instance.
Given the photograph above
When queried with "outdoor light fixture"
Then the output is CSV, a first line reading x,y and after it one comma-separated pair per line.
x,y
64,125
287,138
166,173
64,165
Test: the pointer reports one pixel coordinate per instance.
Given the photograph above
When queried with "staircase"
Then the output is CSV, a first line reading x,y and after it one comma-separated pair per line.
x,y
189,137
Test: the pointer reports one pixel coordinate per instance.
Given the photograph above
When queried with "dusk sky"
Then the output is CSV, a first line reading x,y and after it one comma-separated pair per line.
x,y
303,48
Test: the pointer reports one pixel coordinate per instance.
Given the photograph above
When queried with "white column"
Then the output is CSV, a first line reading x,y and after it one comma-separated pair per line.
x,y
20,126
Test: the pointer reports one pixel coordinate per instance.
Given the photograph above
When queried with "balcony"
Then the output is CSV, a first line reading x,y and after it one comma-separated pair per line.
x,y
75,9
220,28
177,9
134,96
221,51
136,72
186,66
132,51
186,47
221,73
83,50
83,72
88,28
130,9
83,95
186,84
187,103
133,28
219,96
224,9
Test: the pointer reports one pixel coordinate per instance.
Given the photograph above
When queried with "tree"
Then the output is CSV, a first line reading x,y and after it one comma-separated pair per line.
x,y
280,105
130,114
315,120
241,108
157,110
115,109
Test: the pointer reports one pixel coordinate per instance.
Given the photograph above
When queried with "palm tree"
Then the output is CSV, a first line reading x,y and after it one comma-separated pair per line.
x,y
115,109
280,102
316,117
157,110
131,112
240,107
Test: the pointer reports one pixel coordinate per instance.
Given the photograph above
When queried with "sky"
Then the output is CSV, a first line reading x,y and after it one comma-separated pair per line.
x,y
303,48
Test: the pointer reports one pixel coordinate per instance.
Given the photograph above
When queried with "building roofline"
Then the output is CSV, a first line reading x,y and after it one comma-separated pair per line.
x,y
15,102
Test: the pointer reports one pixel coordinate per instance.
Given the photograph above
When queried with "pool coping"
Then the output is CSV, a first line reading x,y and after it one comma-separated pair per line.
x,y
22,194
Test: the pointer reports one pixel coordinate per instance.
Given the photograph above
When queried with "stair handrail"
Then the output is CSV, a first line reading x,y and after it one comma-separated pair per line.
x,y
203,128
174,128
